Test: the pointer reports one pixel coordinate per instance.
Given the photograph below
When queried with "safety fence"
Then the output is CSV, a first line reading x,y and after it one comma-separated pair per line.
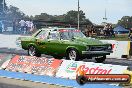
x,y
54,67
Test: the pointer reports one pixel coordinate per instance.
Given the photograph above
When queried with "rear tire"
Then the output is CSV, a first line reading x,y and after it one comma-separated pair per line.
x,y
72,54
81,80
101,59
32,51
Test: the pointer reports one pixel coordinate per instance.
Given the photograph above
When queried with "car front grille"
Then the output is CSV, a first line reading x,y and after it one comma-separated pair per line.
x,y
98,48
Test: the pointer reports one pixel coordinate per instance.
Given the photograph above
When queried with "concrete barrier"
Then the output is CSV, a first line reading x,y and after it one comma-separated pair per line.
x,y
121,49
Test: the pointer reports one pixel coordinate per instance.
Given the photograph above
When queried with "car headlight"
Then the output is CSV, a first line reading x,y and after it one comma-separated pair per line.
x,y
109,47
18,43
87,48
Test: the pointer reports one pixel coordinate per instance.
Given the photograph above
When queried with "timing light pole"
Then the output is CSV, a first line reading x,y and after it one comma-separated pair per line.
x,y
105,18
78,15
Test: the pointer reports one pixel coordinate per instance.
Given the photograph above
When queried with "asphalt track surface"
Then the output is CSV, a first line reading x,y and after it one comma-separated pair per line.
x,y
114,61
14,83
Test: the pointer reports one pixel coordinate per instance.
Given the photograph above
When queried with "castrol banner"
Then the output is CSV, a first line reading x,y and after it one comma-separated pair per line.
x,y
34,65
69,69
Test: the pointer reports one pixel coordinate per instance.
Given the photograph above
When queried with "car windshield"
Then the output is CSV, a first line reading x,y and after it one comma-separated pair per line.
x,y
69,34
77,34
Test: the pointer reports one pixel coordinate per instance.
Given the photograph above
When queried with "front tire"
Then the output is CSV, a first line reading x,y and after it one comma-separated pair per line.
x,y
57,57
101,59
32,51
72,54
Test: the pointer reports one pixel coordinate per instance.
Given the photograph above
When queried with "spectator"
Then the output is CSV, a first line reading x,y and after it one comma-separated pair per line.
x,y
105,30
29,26
1,27
98,32
32,27
15,26
111,31
22,26
130,34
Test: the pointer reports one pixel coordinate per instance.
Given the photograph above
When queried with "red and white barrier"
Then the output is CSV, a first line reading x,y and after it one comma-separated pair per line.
x,y
35,65
4,60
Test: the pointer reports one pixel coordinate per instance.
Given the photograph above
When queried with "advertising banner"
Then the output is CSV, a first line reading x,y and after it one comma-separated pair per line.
x,y
69,69
35,65
4,60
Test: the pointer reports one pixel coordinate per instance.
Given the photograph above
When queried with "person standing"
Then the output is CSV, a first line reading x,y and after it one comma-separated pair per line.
x,y
1,27
22,26
30,26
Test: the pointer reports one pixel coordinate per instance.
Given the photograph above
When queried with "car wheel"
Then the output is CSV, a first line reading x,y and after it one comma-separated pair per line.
x,y
33,52
100,59
72,54
81,80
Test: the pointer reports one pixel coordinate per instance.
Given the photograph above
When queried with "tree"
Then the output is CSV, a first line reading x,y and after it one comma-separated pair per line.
x,y
43,16
3,7
126,21
71,16
14,13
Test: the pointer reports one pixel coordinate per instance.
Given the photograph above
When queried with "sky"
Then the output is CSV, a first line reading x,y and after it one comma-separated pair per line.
x,y
94,9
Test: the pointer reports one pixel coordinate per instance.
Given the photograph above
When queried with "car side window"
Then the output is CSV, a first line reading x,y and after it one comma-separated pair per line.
x,y
53,35
42,35
65,35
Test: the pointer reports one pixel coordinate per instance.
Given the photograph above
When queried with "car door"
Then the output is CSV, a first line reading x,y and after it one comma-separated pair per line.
x,y
41,41
53,43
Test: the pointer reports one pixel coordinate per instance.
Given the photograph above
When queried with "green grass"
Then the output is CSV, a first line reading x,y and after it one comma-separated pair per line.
x,y
119,37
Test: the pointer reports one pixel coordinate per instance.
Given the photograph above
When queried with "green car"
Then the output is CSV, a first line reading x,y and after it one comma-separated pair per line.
x,y
65,42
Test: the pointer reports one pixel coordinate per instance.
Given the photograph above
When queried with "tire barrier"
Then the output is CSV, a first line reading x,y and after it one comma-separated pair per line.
x,y
121,49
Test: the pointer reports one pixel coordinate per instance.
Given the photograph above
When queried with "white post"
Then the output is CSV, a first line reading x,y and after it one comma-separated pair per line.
x,y
78,15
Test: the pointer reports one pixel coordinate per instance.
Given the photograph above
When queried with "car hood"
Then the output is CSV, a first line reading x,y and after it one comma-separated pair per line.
x,y
24,38
89,41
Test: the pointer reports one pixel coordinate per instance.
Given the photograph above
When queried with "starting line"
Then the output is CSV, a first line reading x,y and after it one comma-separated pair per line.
x,y
51,80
